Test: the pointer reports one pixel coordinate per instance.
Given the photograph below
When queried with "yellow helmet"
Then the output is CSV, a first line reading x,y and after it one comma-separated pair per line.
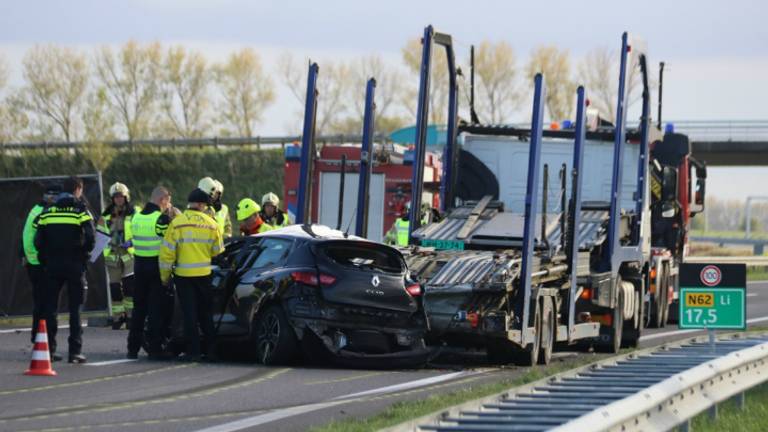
x,y
119,188
247,208
207,185
270,198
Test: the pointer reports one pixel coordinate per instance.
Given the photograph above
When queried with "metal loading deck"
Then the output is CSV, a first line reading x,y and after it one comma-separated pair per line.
x,y
567,398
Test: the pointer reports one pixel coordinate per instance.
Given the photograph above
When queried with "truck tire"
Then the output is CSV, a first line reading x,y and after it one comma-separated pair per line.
x,y
659,306
503,352
668,287
610,340
548,333
633,326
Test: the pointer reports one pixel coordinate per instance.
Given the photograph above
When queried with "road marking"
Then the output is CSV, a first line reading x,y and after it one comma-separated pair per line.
x,y
678,332
350,378
752,295
269,417
107,407
409,385
111,362
303,409
92,381
29,329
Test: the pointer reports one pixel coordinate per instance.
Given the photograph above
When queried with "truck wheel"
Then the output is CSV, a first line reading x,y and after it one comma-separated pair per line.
x,y
274,341
665,299
632,326
548,334
529,355
612,342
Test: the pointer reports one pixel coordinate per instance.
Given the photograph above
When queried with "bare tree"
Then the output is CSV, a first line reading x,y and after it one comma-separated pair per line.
x,y
246,91
99,127
13,119
496,70
555,65
438,100
599,72
56,80
184,90
333,85
131,83
3,72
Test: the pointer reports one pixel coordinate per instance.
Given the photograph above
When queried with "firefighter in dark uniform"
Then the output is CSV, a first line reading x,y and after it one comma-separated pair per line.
x,y
64,240
150,297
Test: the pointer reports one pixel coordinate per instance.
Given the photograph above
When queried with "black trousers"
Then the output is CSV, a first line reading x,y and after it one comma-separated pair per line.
x,y
152,307
196,305
72,276
37,277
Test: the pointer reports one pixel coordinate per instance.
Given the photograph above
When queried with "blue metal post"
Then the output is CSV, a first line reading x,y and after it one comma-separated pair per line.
x,y
364,180
448,179
618,157
522,306
303,211
422,118
573,229
642,168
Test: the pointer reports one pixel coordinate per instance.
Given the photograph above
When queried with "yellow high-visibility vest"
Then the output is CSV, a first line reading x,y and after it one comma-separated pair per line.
x,y
192,239
147,234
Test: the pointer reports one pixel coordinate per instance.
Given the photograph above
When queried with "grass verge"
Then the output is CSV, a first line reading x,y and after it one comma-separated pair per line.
x,y
731,418
403,411
757,273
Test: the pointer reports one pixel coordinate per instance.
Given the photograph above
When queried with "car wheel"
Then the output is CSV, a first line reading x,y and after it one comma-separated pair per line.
x,y
274,341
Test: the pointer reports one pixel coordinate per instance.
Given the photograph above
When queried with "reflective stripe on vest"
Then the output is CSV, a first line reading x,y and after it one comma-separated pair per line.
x,y
401,226
146,242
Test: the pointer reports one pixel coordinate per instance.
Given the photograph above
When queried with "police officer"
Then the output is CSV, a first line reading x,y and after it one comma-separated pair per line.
x,y
217,210
115,221
250,219
64,240
192,239
30,255
271,213
148,228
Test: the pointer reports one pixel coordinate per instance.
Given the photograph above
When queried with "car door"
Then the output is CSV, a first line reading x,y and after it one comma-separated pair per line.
x,y
256,277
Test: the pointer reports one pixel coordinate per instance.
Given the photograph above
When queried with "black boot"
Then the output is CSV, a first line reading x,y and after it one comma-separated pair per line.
x,y
77,358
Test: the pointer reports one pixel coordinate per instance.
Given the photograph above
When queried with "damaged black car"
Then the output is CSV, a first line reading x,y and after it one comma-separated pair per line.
x,y
304,289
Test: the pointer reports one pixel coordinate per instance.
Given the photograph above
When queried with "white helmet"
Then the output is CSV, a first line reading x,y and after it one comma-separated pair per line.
x,y
119,188
270,198
207,185
219,187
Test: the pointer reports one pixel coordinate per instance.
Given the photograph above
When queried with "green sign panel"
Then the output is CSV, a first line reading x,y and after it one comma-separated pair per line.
x,y
713,296
712,308
443,244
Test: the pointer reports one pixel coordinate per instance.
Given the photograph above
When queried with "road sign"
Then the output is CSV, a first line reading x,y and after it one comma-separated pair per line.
x,y
713,296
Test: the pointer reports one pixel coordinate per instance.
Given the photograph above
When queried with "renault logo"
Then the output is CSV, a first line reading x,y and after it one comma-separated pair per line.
x,y
375,281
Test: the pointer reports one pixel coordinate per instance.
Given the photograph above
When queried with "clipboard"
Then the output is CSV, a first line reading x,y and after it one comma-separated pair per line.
x,y
101,242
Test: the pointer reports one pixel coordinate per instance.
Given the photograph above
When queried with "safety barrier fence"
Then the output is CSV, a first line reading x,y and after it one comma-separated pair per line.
x,y
749,261
260,142
652,389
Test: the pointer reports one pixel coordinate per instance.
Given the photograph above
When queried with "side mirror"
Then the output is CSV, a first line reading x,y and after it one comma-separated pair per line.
x,y
699,193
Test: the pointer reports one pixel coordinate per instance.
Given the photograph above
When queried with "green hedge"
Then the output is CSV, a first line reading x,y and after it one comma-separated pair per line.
x,y
244,172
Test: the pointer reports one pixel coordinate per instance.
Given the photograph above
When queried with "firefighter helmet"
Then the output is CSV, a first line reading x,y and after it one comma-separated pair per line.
x,y
119,188
247,208
270,198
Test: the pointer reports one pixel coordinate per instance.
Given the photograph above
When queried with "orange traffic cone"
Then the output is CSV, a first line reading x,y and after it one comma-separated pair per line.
x,y
41,357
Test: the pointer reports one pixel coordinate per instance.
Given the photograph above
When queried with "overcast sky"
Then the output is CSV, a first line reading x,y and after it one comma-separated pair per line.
x,y
716,51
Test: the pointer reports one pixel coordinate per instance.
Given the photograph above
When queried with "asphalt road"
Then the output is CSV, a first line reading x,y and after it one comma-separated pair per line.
x,y
111,393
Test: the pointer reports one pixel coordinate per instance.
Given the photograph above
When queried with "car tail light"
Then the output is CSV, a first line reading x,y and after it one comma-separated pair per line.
x,y
310,278
414,290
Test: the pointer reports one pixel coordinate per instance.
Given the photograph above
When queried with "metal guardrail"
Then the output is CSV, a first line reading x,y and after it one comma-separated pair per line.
x,y
750,261
653,389
263,142
758,245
